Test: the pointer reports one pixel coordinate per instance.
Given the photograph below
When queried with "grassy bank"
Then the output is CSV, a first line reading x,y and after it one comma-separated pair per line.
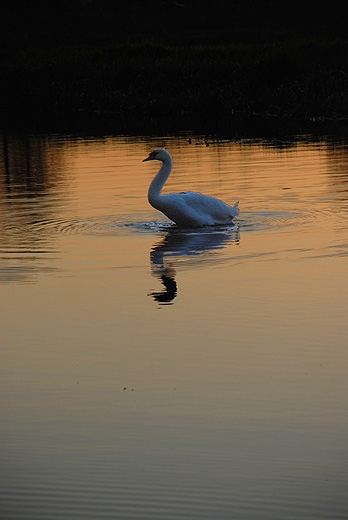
x,y
207,73
145,80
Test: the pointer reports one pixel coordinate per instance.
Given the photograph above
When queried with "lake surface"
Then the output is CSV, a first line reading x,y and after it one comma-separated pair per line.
x,y
153,373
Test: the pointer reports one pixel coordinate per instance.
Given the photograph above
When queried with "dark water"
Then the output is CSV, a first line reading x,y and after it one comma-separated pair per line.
x,y
152,373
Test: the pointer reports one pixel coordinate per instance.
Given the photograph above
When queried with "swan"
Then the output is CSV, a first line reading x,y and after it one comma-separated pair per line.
x,y
187,209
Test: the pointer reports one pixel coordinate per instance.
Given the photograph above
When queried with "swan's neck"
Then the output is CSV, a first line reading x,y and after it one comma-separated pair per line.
x,y
154,193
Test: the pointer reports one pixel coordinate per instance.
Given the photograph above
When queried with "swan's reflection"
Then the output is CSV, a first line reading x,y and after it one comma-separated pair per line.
x,y
194,245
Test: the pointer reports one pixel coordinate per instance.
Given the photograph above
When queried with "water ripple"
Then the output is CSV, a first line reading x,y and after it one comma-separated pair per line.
x,y
256,221
108,225
99,226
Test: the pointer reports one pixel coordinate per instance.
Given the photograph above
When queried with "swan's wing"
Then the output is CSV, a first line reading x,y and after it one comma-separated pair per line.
x,y
191,209
216,208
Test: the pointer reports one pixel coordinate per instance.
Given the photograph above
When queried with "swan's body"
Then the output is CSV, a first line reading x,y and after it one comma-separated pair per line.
x,y
187,209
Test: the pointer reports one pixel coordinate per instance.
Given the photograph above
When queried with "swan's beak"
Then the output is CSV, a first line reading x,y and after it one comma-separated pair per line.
x,y
148,158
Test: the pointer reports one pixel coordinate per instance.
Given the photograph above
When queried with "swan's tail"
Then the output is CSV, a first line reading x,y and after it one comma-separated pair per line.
x,y
235,209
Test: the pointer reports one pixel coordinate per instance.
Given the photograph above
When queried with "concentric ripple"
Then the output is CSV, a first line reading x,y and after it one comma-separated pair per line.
x,y
256,221
108,225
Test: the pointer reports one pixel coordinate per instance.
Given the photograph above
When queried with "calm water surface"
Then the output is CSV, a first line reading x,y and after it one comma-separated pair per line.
x,y
151,373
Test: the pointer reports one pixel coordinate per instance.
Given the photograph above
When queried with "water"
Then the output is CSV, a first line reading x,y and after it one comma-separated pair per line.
x,y
151,373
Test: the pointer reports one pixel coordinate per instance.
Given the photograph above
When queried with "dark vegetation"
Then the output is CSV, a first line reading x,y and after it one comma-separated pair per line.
x,y
186,62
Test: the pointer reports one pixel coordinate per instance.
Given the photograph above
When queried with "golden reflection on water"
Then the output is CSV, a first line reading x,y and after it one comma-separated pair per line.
x,y
183,374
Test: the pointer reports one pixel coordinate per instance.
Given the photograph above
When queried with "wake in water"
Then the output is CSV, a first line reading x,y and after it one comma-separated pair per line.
x,y
105,226
108,226
253,222
247,222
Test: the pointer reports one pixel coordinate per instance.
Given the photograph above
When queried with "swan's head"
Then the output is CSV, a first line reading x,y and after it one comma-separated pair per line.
x,y
159,154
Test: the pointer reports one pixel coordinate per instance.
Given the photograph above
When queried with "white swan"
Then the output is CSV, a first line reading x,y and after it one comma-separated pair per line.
x,y
187,209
